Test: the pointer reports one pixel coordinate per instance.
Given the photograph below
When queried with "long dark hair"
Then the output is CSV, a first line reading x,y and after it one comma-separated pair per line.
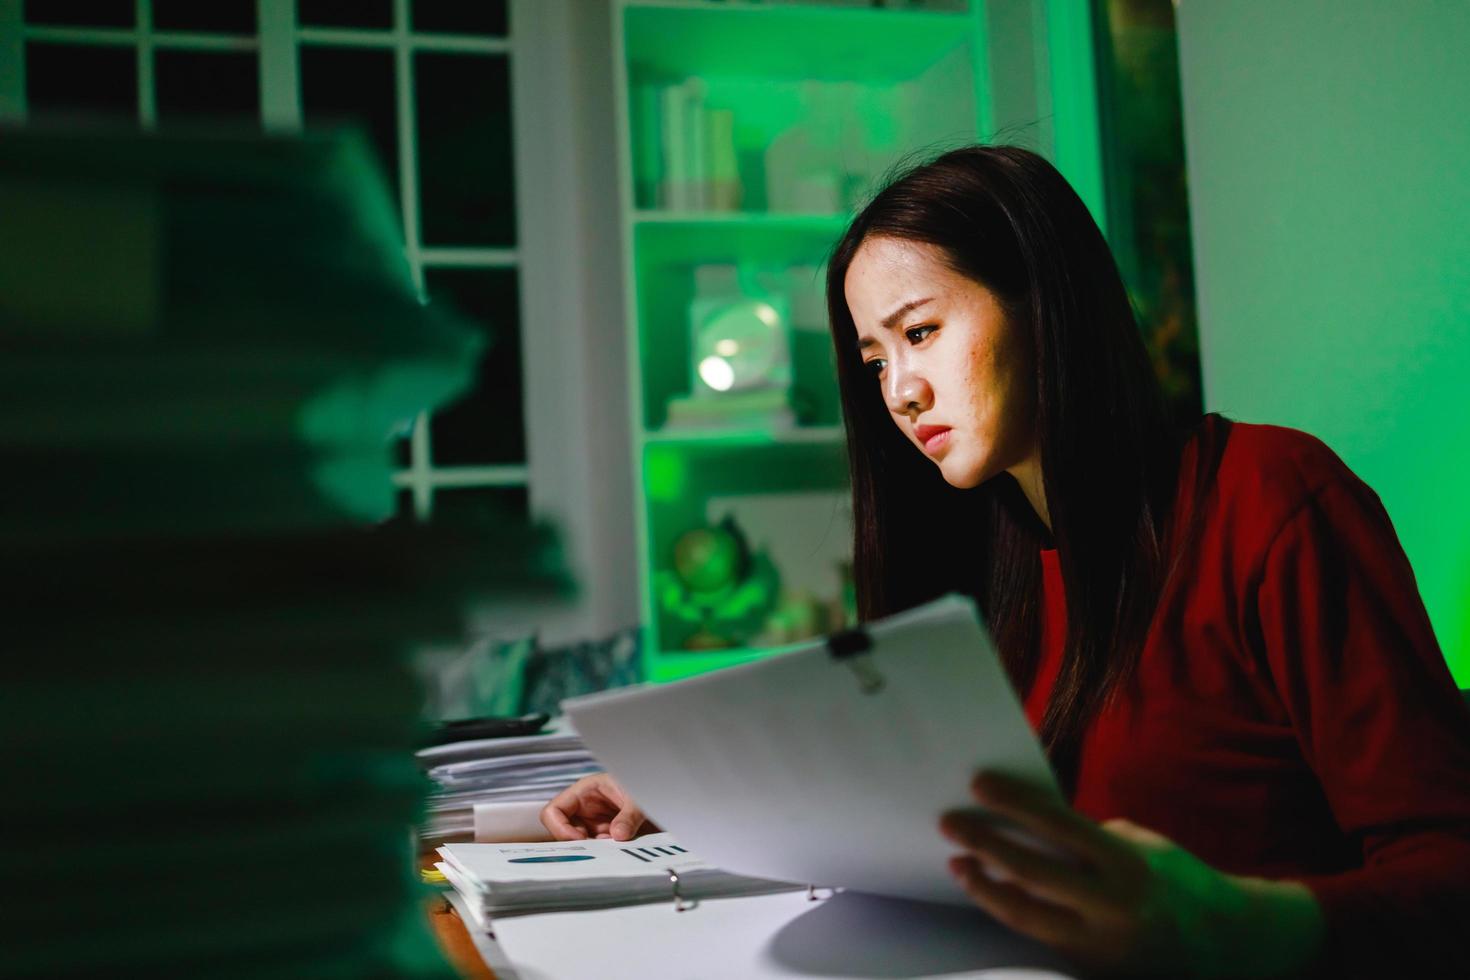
x,y
1005,218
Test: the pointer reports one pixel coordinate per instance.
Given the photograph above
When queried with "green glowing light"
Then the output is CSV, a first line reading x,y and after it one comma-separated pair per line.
x,y
664,476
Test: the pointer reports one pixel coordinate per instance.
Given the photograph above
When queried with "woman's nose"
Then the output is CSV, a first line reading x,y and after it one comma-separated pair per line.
x,y
907,392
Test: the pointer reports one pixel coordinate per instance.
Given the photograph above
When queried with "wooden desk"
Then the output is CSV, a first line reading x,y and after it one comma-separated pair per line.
x,y
451,935
454,941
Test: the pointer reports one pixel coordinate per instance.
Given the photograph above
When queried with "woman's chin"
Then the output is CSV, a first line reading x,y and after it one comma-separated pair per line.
x,y
963,474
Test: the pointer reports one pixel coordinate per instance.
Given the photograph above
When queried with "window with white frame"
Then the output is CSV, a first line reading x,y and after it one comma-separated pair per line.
x,y
429,82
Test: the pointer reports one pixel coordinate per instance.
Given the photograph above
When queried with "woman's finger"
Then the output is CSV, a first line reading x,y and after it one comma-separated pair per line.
x,y
1013,907
1047,817
556,822
1059,882
626,824
556,815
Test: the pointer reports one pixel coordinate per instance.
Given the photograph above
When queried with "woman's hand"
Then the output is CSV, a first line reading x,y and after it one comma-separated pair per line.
x,y
1124,898
594,806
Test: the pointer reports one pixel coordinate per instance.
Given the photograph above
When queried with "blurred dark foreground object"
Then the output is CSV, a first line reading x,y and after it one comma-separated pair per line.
x,y
203,347
226,329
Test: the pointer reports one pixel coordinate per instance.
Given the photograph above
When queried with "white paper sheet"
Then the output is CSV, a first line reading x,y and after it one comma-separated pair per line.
x,y
786,768
846,936
497,823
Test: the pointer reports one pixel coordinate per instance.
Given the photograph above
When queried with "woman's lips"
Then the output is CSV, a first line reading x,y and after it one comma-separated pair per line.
x,y
932,437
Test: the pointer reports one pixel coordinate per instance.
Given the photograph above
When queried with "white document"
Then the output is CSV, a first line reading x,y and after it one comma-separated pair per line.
x,y
848,935
524,878
498,823
795,767
573,862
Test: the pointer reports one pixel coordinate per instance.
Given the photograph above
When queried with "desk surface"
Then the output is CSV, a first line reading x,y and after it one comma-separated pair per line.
x,y
451,935
454,941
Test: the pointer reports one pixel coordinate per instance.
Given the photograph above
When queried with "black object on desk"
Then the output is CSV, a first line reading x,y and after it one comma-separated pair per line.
x,y
466,729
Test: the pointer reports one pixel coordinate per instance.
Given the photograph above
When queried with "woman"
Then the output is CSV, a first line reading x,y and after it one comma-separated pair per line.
x,y
1214,632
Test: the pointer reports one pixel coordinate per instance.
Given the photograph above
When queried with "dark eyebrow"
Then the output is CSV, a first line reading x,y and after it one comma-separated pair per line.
x,y
892,318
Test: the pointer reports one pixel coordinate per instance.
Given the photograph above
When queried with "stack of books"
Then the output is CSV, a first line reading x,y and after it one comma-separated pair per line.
x,y
206,345
498,880
698,160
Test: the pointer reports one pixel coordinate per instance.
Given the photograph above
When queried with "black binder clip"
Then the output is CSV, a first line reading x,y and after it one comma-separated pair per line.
x,y
851,647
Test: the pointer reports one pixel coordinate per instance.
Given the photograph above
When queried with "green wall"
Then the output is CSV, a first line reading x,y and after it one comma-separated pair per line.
x,y
1328,153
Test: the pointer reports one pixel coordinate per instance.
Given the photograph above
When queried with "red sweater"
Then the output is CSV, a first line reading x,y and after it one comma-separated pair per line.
x,y
1293,717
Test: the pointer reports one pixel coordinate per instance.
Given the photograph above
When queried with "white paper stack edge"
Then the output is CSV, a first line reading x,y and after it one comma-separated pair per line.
x,y
526,769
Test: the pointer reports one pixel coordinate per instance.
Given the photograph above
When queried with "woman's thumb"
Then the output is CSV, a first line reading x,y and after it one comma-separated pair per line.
x,y
625,825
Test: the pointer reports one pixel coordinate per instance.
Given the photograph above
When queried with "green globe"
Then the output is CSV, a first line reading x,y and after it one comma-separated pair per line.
x,y
708,559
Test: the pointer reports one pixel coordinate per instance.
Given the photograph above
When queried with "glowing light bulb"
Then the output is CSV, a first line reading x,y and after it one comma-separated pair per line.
x,y
717,373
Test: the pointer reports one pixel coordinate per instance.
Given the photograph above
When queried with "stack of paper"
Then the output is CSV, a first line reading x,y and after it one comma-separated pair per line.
x,y
497,880
532,768
203,348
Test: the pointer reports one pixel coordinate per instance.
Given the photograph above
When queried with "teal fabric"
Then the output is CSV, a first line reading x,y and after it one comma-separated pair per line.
x,y
501,677
556,673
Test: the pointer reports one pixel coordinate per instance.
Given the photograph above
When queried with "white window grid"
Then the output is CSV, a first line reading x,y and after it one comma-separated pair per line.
x,y
278,40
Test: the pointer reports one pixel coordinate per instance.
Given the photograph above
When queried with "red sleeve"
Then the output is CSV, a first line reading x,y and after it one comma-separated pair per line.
x,y
1384,727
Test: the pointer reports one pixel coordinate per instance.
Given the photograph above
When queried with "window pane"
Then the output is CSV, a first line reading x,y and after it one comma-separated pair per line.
x,y
223,16
466,190
218,85
403,512
459,17
71,81
80,13
345,13
354,86
487,424
479,506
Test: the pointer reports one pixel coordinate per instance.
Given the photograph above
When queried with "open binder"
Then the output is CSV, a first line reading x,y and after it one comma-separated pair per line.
x,y
509,879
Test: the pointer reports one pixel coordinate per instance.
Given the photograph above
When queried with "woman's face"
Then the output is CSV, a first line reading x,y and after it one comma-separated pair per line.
x,y
955,373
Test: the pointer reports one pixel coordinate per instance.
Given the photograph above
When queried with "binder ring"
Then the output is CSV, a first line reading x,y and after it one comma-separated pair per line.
x,y
680,905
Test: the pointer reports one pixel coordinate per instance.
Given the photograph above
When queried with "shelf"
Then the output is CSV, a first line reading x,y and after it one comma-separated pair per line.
x,y
817,223
680,474
673,665
684,240
788,498
834,44
666,254
821,103
801,435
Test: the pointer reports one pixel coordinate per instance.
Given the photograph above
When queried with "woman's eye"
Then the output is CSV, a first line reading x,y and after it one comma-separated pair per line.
x,y
917,334
875,366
